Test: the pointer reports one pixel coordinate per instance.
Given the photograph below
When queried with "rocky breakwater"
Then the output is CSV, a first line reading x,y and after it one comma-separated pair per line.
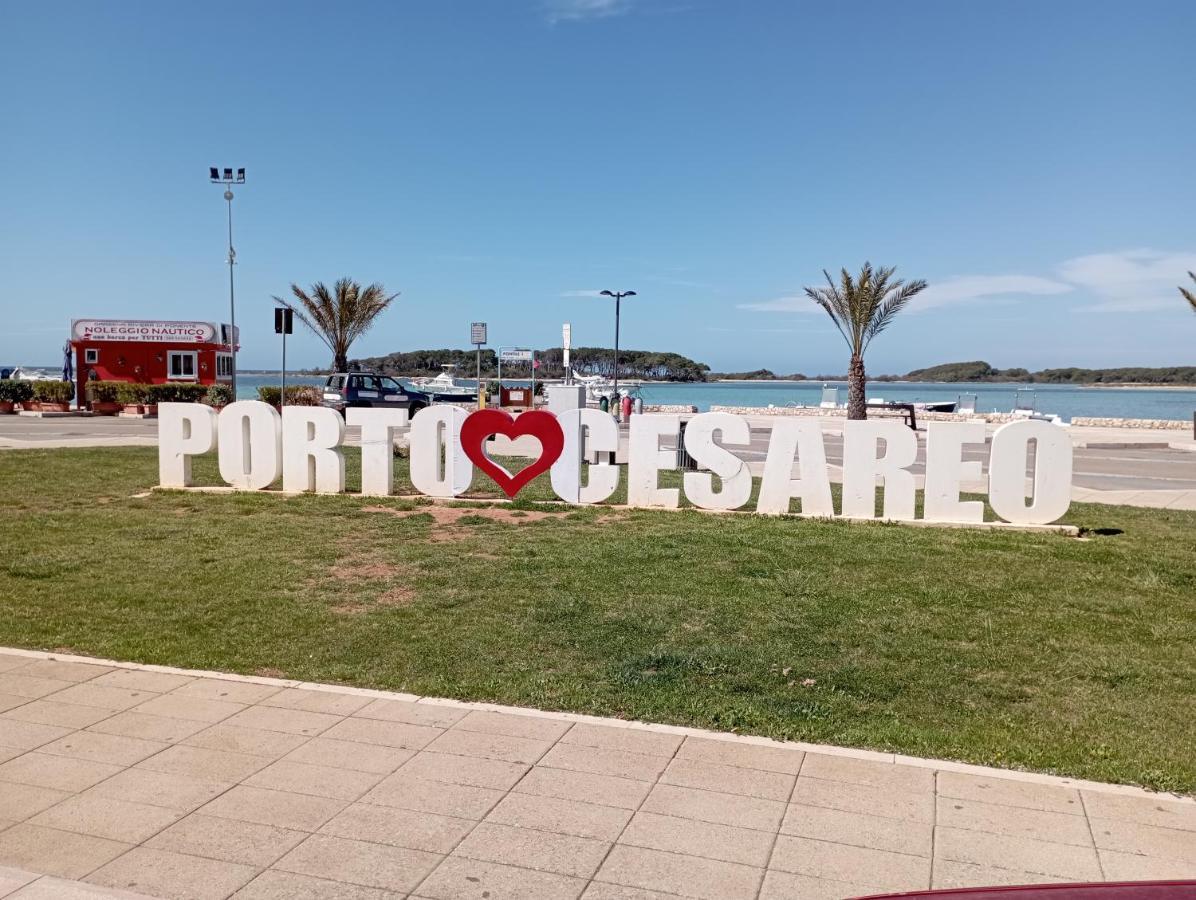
x,y
1146,424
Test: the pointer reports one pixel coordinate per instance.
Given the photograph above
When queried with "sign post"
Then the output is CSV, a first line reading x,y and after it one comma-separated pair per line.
x,y
284,324
566,340
477,337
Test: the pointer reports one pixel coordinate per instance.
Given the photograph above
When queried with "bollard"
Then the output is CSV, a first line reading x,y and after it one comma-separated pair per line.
x,y
685,462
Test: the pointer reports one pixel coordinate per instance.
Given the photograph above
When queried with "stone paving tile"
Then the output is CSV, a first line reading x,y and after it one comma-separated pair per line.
x,y
193,709
20,801
589,820
91,694
275,885
147,727
747,756
628,740
28,735
949,873
208,765
52,852
1008,792
841,862
29,686
862,771
50,888
598,890
104,748
1147,810
254,741
606,790
399,827
705,839
1003,851
317,701
689,876
1145,840
1038,824
490,746
388,734
140,680
62,773
300,812
173,876
50,712
180,792
320,781
9,701
11,879
533,727
458,878
720,809
470,770
729,779
858,829
359,862
1119,866
350,755
62,670
788,886
916,806
107,817
422,795
248,843
290,721
7,753
543,851
228,691
599,761
9,661
411,713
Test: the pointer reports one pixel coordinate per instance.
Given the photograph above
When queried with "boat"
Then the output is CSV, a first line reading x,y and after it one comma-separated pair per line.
x,y
19,373
445,388
943,406
1025,406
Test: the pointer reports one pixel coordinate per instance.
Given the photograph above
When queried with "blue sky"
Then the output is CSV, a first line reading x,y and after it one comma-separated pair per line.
x,y
503,160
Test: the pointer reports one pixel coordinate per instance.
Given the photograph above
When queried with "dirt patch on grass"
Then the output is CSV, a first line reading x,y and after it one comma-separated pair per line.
x,y
397,596
450,515
353,570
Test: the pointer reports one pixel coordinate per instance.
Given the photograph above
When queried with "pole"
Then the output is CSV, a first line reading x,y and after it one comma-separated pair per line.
x,y
232,305
533,379
479,384
282,398
615,400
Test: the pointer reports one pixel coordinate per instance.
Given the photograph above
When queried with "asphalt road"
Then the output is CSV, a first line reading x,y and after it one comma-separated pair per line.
x,y
1100,468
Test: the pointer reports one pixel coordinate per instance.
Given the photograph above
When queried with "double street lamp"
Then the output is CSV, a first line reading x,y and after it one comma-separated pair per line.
x,y
228,179
618,295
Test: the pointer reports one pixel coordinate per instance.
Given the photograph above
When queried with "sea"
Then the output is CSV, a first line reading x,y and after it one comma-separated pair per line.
x,y
1066,401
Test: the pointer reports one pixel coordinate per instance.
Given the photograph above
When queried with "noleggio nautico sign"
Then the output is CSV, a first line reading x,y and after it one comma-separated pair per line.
x,y
302,446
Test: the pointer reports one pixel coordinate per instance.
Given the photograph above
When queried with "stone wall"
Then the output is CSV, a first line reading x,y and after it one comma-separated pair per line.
x,y
1148,424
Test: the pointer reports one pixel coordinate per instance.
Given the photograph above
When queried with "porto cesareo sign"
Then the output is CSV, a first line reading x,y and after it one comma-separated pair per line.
x,y
303,447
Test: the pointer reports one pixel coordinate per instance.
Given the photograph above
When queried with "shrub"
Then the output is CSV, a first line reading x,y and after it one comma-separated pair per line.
x,y
53,391
132,394
219,395
104,391
270,393
159,393
16,391
176,392
297,394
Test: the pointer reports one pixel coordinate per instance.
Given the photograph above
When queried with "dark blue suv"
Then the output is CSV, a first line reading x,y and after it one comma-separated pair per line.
x,y
345,389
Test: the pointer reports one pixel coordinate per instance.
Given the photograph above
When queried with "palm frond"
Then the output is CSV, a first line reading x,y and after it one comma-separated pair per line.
x,y
1189,295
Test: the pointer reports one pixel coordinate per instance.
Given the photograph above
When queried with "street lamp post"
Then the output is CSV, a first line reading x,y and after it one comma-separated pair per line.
x,y
227,178
618,295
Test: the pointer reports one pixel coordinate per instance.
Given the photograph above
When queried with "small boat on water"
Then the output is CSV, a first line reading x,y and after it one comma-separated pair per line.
x,y
945,406
19,373
1025,406
445,388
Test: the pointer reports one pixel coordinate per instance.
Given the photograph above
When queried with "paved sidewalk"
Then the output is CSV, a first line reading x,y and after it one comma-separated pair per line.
x,y
182,784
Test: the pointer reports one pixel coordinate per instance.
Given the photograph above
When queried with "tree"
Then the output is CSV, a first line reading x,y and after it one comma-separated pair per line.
x,y
1189,295
340,316
862,308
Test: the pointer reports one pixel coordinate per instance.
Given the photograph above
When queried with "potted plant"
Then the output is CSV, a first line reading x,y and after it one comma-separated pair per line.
x,y
132,396
20,392
155,394
104,397
8,398
53,396
219,396
272,394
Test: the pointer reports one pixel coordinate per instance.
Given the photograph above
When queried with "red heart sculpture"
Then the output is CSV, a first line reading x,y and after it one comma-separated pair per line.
x,y
539,423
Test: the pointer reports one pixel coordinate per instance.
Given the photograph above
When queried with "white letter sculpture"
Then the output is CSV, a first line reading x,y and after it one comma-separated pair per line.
x,y
184,430
813,484
1052,472
861,467
699,443
311,456
946,468
377,446
250,445
565,473
645,459
439,467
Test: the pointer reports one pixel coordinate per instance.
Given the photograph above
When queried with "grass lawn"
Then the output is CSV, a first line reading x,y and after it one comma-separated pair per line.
x,y
1037,651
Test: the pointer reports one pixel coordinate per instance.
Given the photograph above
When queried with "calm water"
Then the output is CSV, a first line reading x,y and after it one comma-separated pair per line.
x,y
1063,400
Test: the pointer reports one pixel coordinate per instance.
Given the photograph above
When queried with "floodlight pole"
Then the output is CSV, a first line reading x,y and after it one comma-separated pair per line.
x,y
228,180
618,295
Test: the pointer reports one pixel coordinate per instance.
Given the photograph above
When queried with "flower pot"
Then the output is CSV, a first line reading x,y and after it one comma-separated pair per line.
x,y
135,408
6,407
151,409
105,408
30,405
54,406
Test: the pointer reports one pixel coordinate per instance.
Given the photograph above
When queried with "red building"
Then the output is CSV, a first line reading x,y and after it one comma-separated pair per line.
x,y
150,352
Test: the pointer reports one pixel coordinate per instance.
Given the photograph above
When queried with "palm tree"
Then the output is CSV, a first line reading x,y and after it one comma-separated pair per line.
x,y
340,316
862,308
1189,295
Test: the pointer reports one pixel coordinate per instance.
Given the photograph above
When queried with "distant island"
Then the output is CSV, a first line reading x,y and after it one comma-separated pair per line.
x,y
659,365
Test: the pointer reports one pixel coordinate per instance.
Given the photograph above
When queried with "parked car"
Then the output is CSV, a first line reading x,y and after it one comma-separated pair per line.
x,y
371,389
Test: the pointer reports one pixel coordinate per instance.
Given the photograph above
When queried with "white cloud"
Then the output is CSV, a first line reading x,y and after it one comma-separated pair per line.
x,y
976,287
581,294
580,10
1130,280
797,304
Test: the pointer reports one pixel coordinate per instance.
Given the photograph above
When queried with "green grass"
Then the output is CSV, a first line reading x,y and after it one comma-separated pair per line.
x,y
1037,651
